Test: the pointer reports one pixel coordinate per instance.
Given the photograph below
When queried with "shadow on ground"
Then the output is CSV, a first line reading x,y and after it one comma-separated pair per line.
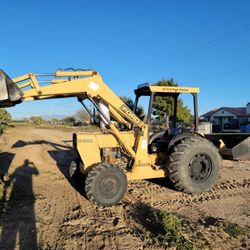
x,y
163,182
6,159
63,155
17,213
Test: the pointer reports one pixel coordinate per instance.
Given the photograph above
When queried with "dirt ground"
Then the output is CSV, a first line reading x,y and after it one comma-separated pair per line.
x,y
42,208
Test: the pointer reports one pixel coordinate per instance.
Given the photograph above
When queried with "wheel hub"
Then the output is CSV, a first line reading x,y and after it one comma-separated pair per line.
x,y
200,168
109,186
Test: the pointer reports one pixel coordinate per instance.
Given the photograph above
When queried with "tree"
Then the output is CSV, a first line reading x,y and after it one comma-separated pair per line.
x,y
5,116
54,121
26,120
164,105
37,120
69,120
83,116
130,103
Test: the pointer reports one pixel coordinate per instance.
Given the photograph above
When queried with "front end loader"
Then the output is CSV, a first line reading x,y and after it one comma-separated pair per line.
x,y
126,149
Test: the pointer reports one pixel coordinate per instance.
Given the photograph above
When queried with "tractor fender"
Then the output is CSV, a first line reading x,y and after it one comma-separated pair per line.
x,y
182,136
156,136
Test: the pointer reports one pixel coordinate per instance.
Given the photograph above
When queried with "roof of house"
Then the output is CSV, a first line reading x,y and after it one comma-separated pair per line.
x,y
240,111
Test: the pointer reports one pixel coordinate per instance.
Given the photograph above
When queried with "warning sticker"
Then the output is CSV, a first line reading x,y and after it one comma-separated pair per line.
x,y
144,144
94,86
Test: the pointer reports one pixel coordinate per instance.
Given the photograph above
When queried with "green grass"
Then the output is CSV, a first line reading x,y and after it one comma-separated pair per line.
x,y
10,195
163,229
5,197
160,229
233,229
170,229
2,128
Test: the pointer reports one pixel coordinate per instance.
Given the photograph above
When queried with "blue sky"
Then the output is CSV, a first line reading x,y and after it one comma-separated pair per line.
x,y
196,42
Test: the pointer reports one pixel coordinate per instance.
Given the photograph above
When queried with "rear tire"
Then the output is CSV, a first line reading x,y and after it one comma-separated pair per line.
x,y
105,184
194,165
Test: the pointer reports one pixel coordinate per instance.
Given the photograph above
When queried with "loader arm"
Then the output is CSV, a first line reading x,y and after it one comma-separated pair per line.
x,y
83,85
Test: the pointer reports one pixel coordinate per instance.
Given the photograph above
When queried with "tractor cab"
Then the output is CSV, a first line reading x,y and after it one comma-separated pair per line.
x,y
163,121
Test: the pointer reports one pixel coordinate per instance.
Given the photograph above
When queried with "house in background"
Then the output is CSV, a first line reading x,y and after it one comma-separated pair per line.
x,y
228,118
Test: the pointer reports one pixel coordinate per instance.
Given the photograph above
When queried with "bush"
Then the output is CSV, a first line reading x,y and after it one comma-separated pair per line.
x,y
233,229
165,228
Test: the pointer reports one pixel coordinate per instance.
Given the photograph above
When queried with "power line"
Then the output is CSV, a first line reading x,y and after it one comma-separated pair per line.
x,y
197,50
220,74
200,48
182,56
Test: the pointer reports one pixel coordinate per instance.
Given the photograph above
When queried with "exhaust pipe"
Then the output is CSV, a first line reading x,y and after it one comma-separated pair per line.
x,y
10,94
105,109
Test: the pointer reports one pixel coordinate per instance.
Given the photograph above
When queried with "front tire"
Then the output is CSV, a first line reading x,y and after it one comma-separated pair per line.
x,y
194,165
75,173
105,184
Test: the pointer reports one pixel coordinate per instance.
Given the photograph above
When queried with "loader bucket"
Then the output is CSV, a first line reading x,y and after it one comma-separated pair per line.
x,y
10,94
242,150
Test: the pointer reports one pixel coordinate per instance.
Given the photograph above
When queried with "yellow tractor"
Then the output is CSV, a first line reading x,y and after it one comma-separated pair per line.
x,y
110,158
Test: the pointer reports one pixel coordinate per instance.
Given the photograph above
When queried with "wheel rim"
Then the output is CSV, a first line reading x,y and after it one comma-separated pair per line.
x,y
109,186
200,168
